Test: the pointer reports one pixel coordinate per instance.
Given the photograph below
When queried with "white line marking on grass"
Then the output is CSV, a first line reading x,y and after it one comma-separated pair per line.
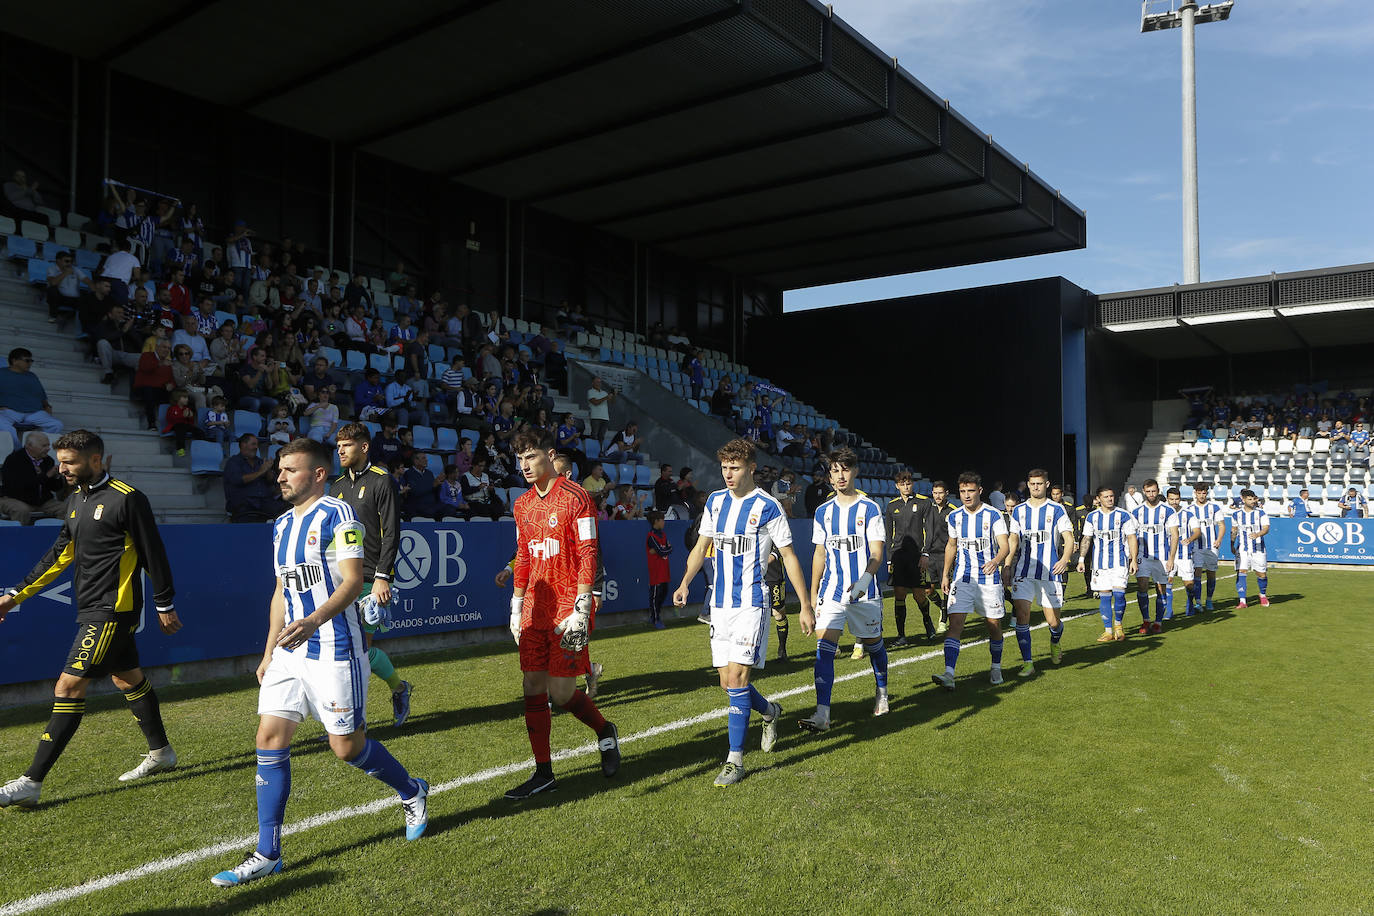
x,y
157,866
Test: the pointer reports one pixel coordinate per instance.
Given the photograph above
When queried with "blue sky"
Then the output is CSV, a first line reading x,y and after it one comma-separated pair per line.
x,y
1285,131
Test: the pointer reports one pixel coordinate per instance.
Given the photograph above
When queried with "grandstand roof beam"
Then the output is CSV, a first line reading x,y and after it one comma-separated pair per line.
x,y
355,56
638,117
175,19
803,213
630,47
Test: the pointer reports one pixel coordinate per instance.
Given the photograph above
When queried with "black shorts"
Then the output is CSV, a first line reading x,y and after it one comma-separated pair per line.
x,y
777,596
103,646
906,569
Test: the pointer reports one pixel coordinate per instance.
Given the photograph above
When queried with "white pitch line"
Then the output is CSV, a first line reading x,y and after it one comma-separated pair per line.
x,y
157,866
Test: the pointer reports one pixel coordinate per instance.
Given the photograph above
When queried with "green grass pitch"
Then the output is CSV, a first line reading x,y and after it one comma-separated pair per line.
x,y
1222,767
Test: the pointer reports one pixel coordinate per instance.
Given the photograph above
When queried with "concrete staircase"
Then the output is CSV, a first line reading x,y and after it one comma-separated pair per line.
x,y
80,401
1166,427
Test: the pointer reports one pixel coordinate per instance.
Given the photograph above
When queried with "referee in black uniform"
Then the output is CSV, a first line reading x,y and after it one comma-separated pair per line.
x,y
109,536
906,523
372,494
933,546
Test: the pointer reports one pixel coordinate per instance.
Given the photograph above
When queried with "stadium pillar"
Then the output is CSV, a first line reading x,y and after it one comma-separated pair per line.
x,y
1192,256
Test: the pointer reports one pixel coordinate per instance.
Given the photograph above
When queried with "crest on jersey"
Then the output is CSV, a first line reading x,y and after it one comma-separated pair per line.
x,y
99,511
553,519
753,519
313,539
859,521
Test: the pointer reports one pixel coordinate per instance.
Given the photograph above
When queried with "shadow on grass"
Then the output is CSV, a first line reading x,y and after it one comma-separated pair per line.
x,y
272,892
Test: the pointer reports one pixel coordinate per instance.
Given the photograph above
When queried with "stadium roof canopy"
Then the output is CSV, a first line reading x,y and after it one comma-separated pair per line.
x,y
763,136
1330,307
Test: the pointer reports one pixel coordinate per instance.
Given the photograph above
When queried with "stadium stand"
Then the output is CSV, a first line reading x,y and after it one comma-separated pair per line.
x,y
1310,436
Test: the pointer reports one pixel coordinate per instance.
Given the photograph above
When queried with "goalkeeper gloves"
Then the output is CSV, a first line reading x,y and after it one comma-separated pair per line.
x,y
576,627
860,587
517,606
375,614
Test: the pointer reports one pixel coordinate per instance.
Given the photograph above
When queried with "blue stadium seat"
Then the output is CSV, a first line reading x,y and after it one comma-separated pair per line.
x,y
437,353
373,427
19,247
379,361
9,523
247,421
206,458
625,473
46,522
592,448
643,476
333,354
386,313
87,260
354,361
424,438
38,271
446,439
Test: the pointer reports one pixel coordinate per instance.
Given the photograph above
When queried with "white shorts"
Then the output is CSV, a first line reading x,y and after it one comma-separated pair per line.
x,y
974,598
1044,592
333,692
1152,568
1258,562
739,635
865,618
1109,580
1183,568
1205,560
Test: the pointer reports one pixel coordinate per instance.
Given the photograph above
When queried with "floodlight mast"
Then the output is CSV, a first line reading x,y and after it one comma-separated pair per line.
x,y
1185,17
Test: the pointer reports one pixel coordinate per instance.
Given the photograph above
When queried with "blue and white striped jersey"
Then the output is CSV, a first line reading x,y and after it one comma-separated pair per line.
x,y
1188,525
1108,531
845,533
974,535
743,531
1152,529
1040,531
1248,524
307,547
1208,516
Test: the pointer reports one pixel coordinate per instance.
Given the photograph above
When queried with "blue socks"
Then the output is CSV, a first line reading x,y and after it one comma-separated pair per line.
x,y
825,670
1240,586
1104,607
1142,598
758,702
274,785
377,762
877,657
1211,588
738,720
1023,640
1119,601
1164,604
951,655
995,649
1263,585
1057,633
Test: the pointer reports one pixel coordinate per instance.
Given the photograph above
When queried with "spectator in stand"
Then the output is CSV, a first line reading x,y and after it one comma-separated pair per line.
x,y
32,483
422,492
117,344
324,418
665,490
487,363
1353,505
462,459
189,376
569,439
624,446
319,379
216,427
1324,425
785,492
226,350
686,487
598,408
357,329
207,322
756,434
1130,502
95,303
178,296
416,356
254,378
501,472
369,398
1359,439
357,296
386,445
556,367
398,279
450,389
627,506
239,246
595,481
816,493
479,492
1297,506
188,336
402,333
119,269
408,304
22,199
23,400
1289,430
180,420
723,400
503,424
250,492
264,295
786,439
64,285
153,380
697,375
765,416
1340,439
402,401
451,490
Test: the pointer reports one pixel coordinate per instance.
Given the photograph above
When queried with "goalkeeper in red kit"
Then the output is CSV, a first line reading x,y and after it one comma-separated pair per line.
x,y
551,611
